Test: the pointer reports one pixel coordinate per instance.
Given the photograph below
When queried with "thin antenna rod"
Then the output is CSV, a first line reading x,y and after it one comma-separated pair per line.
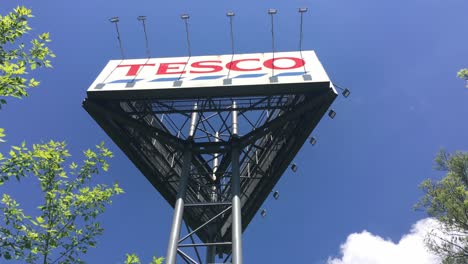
x,y
231,15
115,20
185,17
272,12
302,10
143,21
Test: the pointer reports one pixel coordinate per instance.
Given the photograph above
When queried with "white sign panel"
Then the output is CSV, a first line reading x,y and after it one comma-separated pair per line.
x,y
220,72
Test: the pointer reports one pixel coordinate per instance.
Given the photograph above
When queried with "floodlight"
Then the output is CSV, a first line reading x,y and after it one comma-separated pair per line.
x,y
312,141
294,167
230,14
263,213
114,19
331,113
184,16
346,92
140,18
272,11
303,9
276,195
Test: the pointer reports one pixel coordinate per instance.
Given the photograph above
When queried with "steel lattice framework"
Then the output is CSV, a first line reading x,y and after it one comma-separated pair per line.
x,y
156,134
213,134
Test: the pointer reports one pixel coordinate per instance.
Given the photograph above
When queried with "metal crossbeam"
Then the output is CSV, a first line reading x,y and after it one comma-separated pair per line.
x,y
203,225
206,244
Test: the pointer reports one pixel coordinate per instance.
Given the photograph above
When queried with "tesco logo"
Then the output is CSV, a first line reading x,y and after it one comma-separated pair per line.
x,y
214,66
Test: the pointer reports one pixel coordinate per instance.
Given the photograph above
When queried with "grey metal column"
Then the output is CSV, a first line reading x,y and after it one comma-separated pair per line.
x,y
210,254
235,187
211,250
179,206
179,209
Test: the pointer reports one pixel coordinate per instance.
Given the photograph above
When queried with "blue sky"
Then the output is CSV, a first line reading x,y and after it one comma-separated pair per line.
x,y
399,58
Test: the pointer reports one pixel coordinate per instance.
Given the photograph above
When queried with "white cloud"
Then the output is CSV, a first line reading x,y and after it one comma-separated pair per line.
x,y
366,248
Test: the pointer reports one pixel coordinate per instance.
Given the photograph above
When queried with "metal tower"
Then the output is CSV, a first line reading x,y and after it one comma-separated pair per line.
x,y
214,147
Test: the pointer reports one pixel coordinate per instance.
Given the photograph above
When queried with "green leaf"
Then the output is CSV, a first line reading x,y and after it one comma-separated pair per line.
x,y
132,259
40,220
156,260
2,134
463,74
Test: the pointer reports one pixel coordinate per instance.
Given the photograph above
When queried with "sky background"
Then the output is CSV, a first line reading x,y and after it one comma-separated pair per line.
x,y
398,58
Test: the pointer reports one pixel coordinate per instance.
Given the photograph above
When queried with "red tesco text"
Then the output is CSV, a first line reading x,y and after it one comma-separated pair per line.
x,y
212,66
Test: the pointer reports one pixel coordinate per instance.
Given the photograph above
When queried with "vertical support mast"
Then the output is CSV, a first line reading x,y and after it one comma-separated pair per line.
x,y
211,250
210,254
179,206
193,121
235,187
235,132
215,159
214,190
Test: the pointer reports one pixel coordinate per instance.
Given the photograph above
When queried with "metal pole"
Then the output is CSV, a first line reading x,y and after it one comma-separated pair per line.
x,y
231,15
143,19
302,11
116,20
193,122
272,12
215,158
214,195
235,131
179,209
210,254
235,187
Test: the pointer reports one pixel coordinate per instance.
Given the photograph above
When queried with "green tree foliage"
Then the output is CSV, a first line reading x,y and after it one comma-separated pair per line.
x,y
463,74
134,259
447,201
65,225
2,135
16,58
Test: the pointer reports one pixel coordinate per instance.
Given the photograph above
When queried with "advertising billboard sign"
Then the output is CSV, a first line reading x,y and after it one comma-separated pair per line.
x,y
216,75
